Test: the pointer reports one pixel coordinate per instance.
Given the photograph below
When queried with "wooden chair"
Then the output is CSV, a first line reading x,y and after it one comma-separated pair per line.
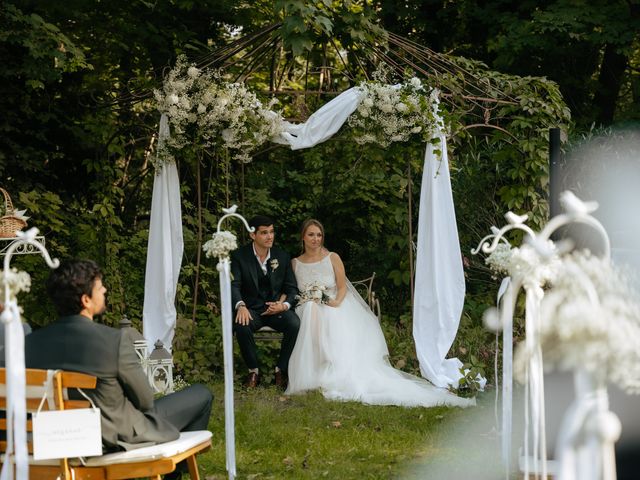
x,y
152,461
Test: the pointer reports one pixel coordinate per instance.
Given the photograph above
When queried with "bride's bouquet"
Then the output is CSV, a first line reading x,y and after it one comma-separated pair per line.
x,y
313,292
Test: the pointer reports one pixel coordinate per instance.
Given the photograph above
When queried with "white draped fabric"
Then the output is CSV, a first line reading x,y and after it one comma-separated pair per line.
x,y
439,284
322,124
439,277
164,253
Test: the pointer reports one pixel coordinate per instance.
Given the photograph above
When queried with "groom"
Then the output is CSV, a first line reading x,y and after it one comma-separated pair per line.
x,y
263,291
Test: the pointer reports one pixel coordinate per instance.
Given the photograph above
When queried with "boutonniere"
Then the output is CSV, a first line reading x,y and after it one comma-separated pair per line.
x,y
274,264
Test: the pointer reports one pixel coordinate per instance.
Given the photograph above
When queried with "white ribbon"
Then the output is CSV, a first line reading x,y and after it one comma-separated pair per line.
x,y
507,373
534,385
227,344
16,404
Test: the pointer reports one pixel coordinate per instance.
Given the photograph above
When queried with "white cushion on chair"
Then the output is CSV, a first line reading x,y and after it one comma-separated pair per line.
x,y
186,441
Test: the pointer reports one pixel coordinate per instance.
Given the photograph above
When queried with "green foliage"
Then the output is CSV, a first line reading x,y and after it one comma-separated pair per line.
x,y
469,383
305,25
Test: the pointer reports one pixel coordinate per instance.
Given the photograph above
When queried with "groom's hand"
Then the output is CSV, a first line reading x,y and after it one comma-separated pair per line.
x,y
243,317
274,308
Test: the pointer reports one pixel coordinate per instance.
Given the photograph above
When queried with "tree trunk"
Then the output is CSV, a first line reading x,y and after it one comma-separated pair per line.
x,y
609,82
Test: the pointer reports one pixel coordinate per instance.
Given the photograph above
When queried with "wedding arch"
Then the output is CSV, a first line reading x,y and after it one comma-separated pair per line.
x,y
439,278
440,300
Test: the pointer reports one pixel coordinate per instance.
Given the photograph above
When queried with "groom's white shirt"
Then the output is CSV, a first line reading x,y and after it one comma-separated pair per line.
x,y
263,265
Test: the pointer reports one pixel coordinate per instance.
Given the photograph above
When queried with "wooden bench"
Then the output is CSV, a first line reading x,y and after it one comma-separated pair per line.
x,y
151,462
364,287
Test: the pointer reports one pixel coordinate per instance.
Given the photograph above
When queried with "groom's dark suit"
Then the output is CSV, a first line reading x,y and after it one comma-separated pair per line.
x,y
253,287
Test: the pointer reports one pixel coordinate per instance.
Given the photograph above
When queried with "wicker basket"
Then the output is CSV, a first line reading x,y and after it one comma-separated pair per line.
x,y
9,223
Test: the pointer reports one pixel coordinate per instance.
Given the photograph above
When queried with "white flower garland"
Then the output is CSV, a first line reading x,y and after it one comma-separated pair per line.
x,y
395,113
220,245
205,110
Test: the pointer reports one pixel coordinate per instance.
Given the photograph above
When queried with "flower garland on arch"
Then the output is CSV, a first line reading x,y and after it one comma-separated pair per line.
x,y
204,110
395,113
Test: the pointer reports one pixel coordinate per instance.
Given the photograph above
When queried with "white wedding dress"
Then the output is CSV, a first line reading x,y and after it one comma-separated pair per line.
x,y
342,351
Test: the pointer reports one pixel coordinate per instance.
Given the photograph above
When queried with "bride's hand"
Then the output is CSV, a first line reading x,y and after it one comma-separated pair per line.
x,y
332,303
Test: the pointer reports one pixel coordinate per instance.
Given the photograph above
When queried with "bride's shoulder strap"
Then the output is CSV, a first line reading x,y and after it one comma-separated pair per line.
x,y
294,262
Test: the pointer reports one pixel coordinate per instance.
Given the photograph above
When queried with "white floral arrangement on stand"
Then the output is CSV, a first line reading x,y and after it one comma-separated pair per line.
x,y
201,107
313,292
220,245
395,113
590,320
524,261
17,281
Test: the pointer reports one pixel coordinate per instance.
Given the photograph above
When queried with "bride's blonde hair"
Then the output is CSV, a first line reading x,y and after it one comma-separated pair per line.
x,y
308,223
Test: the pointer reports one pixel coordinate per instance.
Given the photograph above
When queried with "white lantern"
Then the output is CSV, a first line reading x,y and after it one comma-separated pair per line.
x,y
160,369
139,343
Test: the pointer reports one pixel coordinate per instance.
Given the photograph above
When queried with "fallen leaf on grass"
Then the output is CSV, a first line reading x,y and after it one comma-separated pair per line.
x,y
336,424
287,461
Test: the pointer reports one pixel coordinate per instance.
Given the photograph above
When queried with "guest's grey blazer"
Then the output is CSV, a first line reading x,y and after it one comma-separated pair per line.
x,y
123,393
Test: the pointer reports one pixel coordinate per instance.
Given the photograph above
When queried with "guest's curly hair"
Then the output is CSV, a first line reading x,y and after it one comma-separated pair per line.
x,y
69,282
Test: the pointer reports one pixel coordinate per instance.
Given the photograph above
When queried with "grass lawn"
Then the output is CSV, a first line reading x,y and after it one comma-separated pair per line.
x,y
305,436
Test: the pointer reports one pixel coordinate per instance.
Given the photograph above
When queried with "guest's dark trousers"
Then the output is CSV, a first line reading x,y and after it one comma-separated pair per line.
x,y
287,322
188,410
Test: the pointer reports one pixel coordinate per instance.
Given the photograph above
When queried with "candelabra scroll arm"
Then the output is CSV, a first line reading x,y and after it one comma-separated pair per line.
x,y
568,218
28,237
485,240
489,247
231,212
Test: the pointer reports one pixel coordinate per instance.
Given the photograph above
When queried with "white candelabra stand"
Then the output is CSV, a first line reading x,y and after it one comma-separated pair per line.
x,y
16,452
226,308
537,254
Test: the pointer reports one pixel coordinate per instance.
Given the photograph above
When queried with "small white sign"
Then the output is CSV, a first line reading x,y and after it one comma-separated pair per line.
x,y
67,434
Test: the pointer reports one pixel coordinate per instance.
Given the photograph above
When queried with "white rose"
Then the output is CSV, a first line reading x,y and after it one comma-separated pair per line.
x,y
402,108
201,108
386,107
227,135
416,129
173,99
415,82
193,72
367,102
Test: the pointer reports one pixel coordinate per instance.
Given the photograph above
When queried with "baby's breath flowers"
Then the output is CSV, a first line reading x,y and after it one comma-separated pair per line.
x,y
395,113
204,109
17,281
220,245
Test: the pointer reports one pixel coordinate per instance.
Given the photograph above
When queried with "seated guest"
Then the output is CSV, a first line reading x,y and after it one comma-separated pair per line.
x,y
130,416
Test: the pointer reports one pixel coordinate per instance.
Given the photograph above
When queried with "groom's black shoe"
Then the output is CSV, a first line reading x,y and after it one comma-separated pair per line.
x,y
281,380
252,381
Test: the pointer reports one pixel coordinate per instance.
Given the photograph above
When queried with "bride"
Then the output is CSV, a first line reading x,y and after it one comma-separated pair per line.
x,y
340,347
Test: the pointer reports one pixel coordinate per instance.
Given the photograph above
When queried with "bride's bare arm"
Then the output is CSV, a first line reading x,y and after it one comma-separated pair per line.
x,y
341,280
